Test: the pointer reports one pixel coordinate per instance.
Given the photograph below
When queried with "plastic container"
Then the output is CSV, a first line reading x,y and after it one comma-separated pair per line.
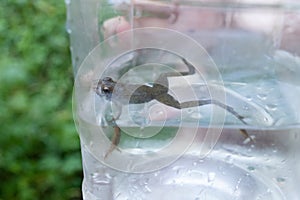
x,y
245,56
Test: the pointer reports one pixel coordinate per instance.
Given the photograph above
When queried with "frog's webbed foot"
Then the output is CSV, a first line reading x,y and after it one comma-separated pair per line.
x,y
114,141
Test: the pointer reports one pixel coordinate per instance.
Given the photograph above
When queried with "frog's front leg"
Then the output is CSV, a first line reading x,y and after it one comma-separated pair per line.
x,y
115,140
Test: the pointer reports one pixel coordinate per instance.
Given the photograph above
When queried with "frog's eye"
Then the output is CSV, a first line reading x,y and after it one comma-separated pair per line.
x,y
105,90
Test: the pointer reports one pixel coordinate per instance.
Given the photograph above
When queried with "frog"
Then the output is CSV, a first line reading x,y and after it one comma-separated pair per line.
x,y
124,93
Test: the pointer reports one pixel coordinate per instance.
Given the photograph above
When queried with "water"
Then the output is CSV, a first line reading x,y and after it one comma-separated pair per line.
x,y
230,167
233,170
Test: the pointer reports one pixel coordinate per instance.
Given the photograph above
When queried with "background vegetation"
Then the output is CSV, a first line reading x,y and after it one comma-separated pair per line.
x,y
39,146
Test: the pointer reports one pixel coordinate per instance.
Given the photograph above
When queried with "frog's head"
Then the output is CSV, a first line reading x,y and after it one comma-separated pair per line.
x,y
105,87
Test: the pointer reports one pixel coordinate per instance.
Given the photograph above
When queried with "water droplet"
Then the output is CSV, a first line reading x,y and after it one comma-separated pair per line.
x,y
190,110
69,30
271,107
283,160
259,88
251,168
280,179
196,115
147,189
262,96
228,159
246,107
266,119
107,175
91,144
160,112
178,171
101,179
249,98
211,176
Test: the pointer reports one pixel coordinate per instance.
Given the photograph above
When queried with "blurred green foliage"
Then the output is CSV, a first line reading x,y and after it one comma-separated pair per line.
x,y
39,146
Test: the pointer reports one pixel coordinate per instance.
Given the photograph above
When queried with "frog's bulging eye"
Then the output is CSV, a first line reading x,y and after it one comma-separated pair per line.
x,y
105,87
106,90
